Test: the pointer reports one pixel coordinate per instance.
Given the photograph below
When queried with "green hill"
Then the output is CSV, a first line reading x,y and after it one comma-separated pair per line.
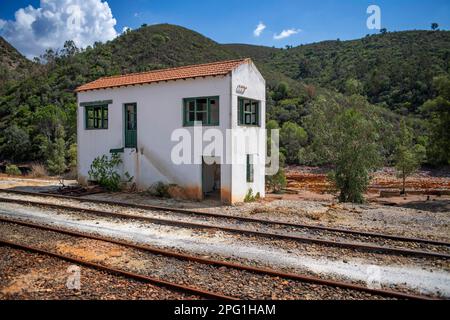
x,y
394,70
13,65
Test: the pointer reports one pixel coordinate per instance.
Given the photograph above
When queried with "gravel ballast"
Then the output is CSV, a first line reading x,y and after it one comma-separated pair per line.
x,y
428,276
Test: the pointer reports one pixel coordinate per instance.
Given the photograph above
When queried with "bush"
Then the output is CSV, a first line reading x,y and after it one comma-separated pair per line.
x,y
159,189
73,155
249,197
292,138
38,170
13,170
356,156
277,182
103,170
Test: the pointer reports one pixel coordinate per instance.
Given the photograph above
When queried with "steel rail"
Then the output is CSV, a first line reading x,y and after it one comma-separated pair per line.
x,y
236,218
257,270
123,273
271,235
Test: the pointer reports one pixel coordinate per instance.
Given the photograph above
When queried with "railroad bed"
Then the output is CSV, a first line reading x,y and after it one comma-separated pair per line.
x,y
194,276
362,241
27,275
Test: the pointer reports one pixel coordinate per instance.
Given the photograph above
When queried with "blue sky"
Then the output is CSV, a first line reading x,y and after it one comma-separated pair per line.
x,y
234,21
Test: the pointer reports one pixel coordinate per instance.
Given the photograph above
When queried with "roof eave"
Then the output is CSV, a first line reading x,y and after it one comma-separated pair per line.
x,y
81,89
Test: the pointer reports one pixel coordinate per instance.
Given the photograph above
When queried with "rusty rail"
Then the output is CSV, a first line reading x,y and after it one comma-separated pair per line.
x,y
257,270
236,218
270,235
123,273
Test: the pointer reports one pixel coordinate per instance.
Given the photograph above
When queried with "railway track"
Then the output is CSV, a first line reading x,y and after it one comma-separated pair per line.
x,y
119,272
361,246
185,257
235,218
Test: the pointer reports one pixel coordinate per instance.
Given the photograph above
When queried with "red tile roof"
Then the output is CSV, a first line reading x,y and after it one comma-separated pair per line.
x,y
200,70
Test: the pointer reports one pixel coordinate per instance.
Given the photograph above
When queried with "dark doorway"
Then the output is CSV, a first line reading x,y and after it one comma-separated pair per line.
x,y
211,177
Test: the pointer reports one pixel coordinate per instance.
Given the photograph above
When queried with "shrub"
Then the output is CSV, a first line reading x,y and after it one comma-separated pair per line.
x,y
38,170
292,138
159,189
249,197
13,170
277,182
72,155
356,156
103,170
56,153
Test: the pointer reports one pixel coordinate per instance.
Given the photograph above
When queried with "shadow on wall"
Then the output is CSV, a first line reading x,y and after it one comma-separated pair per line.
x,y
178,191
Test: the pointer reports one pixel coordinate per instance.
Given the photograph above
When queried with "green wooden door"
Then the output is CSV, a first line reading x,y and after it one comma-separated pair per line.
x,y
130,125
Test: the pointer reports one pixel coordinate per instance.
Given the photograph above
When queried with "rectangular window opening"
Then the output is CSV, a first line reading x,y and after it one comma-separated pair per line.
x,y
248,112
96,117
204,110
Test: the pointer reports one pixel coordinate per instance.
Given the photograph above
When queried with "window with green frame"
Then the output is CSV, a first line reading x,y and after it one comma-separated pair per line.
x,y
250,171
248,113
204,110
96,117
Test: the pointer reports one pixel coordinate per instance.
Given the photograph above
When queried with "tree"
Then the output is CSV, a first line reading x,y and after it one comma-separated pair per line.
x,y
408,155
434,26
356,155
346,139
353,86
281,91
437,111
292,137
383,30
56,151
15,143
70,49
275,182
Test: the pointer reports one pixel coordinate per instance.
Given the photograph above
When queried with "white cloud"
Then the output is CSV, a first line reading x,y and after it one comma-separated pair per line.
x,y
259,29
2,23
125,29
286,34
36,29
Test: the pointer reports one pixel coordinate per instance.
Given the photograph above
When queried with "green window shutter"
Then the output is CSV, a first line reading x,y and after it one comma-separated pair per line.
x,y
257,114
208,111
250,175
86,117
241,111
184,112
105,117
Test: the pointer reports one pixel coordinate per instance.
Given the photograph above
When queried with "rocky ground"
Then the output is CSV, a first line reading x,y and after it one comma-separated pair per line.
x,y
309,201
25,276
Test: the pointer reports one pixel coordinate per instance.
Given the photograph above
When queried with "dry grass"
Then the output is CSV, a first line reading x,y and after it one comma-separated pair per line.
x,y
276,210
38,171
71,174
279,211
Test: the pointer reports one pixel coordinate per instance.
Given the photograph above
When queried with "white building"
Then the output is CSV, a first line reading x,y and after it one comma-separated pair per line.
x,y
145,117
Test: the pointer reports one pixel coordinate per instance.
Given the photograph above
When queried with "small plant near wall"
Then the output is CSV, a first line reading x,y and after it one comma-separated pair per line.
x,y
103,170
250,197
12,170
159,190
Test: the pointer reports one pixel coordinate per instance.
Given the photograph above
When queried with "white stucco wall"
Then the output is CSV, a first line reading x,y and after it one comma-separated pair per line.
x,y
159,113
249,76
